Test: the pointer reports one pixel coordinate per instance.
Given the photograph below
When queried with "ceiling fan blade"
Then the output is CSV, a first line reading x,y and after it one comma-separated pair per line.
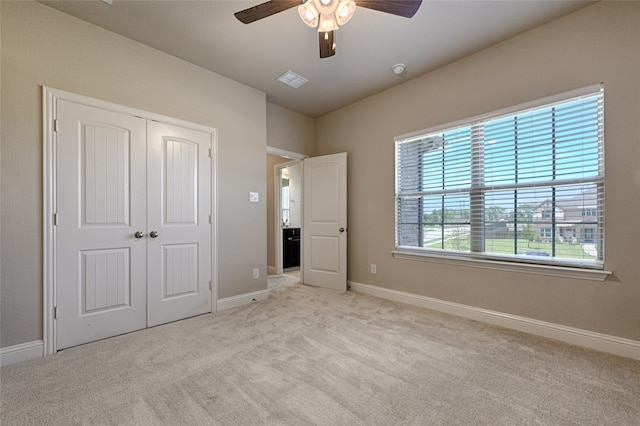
x,y
327,44
405,8
264,10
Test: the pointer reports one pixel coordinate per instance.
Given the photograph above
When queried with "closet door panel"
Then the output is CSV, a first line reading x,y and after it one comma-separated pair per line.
x,y
179,194
100,269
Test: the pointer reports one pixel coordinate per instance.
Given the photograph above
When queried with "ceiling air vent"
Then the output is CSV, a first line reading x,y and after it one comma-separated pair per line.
x,y
292,79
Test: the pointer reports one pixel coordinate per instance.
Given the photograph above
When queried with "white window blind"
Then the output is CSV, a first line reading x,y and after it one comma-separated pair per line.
x,y
524,186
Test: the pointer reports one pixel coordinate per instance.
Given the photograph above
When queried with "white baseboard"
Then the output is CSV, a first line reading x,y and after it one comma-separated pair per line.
x,y
588,339
22,352
242,299
271,270
31,350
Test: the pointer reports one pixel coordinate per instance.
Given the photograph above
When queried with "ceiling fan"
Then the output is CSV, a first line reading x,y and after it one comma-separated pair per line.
x,y
327,15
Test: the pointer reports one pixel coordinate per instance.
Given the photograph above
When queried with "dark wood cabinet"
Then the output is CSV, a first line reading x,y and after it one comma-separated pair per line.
x,y
290,247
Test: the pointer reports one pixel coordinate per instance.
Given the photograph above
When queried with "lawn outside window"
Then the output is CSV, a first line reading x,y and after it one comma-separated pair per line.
x,y
523,185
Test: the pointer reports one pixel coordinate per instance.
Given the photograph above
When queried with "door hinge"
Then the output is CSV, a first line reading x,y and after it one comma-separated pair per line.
x,y
56,126
55,312
209,219
210,285
210,154
55,219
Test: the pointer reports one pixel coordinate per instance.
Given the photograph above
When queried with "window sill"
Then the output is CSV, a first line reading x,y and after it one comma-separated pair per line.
x,y
548,270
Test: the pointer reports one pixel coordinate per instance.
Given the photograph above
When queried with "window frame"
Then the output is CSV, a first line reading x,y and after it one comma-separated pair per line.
x,y
560,266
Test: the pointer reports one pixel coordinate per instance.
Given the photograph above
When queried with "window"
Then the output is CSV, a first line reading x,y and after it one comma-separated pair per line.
x,y
507,186
587,235
285,201
546,233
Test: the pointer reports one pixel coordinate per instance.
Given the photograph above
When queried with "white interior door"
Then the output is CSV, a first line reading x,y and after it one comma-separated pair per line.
x,y
324,231
179,243
100,205
133,233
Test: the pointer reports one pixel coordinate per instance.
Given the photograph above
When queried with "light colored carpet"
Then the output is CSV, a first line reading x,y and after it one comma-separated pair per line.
x,y
316,356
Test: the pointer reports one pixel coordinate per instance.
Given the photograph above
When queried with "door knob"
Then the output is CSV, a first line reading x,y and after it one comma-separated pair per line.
x,y
153,234
139,234
341,230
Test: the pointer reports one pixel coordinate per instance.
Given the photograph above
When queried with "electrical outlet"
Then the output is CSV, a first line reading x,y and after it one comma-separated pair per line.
x,y
256,273
254,197
373,268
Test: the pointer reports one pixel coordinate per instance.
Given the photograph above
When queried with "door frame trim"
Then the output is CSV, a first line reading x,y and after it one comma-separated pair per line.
x,y
49,97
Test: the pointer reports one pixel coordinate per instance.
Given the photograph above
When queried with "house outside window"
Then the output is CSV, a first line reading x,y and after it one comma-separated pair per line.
x,y
588,234
513,186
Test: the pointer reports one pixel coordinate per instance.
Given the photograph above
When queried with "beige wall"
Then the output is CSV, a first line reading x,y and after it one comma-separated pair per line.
x,y
597,44
41,46
290,130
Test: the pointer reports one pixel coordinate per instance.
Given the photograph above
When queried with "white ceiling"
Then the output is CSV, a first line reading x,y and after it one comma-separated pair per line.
x,y
207,34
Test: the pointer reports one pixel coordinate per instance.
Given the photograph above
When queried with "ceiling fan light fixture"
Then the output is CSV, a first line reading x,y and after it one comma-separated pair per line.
x,y
327,15
345,11
327,23
309,14
325,7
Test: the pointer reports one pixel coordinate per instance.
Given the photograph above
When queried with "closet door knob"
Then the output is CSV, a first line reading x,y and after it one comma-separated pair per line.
x,y
139,234
153,234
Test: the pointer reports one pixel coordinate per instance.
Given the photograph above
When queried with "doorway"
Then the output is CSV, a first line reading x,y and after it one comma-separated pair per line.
x,y
289,210
323,227
284,208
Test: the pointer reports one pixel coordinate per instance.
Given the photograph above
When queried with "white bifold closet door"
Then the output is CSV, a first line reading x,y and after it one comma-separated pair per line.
x,y
178,220
132,233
